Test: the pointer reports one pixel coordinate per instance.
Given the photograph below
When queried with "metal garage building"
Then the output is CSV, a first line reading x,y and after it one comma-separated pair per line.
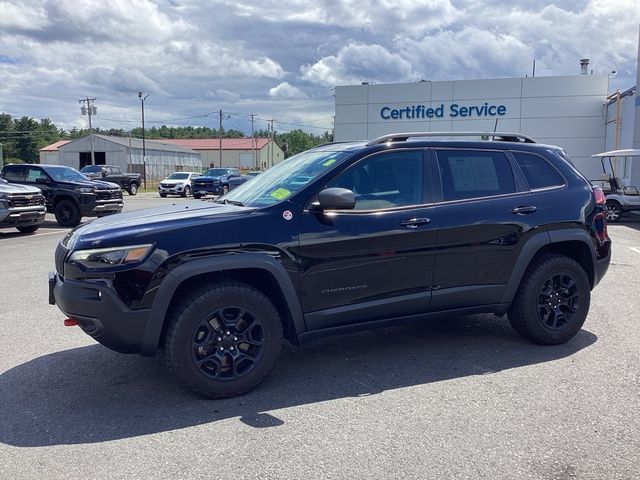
x,y
161,158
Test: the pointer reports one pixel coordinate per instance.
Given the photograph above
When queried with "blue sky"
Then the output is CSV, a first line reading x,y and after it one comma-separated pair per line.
x,y
281,59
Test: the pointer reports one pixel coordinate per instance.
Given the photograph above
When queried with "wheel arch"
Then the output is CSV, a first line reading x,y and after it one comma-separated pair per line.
x,y
257,270
573,243
59,198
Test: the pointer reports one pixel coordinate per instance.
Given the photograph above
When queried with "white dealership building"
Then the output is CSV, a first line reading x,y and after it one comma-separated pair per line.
x,y
575,112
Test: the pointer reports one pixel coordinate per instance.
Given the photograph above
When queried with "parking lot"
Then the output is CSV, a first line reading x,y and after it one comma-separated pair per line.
x,y
456,398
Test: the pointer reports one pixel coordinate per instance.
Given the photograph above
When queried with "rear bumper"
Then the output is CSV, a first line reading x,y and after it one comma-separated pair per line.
x,y
100,313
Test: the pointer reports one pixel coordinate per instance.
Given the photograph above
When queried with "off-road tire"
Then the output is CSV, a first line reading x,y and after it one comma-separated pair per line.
x,y
534,311
67,213
192,337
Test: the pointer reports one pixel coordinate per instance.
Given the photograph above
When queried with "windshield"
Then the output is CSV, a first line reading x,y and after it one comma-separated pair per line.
x,y
280,182
65,173
178,176
91,169
215,172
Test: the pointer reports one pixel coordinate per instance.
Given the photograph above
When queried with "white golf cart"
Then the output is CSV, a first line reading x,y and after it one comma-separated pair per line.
x,y
620,198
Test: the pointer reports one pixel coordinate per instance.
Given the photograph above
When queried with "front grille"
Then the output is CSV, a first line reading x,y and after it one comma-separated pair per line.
x,y
108,194
202,184
21,200
60,257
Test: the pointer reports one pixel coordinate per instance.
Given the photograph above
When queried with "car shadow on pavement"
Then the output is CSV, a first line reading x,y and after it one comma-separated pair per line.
x,y
91,395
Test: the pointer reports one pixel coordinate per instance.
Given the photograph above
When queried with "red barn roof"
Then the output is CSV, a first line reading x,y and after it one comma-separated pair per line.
x,y
214,143
54,146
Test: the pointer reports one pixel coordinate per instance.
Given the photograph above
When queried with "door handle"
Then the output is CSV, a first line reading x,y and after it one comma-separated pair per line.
x,y
524,210
415,222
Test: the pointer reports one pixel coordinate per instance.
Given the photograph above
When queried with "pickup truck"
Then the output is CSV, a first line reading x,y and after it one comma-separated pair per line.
x,y
127,181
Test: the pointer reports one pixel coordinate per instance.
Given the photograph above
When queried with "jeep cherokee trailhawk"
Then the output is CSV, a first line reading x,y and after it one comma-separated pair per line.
x,y
342,237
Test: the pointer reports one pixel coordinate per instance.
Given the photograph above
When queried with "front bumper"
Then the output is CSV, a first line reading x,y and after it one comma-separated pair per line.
x,y
100,313
22,217
208,189
173,189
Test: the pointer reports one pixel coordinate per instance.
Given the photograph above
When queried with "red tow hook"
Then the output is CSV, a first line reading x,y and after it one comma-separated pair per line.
x,y
70,322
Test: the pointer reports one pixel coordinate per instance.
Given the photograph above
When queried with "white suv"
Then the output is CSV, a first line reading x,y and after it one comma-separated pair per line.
x,y
178,183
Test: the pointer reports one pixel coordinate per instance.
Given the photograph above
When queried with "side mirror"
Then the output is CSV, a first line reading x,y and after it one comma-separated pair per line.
x,y
336,199
42,180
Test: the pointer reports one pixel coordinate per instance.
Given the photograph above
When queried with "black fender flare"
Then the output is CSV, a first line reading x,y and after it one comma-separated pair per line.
x,y
219,263
533,246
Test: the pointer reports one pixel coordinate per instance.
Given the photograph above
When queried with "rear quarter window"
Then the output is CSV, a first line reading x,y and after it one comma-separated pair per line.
x,y
474,173
538,171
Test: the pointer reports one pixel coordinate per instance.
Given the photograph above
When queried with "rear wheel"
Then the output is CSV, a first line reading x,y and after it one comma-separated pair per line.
x,y
28,228
223,339
552,302
67,213
614,211
133,189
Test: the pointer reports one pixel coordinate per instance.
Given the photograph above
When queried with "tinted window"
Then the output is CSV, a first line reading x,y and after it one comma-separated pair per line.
x,y
474,173
13,173
537,171
385,181
33,173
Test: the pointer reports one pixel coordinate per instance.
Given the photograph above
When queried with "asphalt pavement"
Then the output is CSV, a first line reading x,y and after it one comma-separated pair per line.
x,y
457,398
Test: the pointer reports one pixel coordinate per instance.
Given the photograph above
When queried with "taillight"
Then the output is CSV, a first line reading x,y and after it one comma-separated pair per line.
x,y
598,194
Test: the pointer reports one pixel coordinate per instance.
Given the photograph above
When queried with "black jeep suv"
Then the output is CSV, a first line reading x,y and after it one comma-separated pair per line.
x,y
69,195
342,237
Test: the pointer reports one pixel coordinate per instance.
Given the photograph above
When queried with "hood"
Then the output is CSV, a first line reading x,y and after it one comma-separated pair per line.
x,y
18,189
97,184
140,225
174,182
217,177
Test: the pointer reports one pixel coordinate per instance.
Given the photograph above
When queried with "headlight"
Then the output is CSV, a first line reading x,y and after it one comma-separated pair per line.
x,y
85,190
110,257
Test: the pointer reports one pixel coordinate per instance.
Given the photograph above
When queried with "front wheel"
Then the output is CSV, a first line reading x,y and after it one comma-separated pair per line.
x,y
552,302
67,213
133,189
223,339
187,191
197,195
28,228
614,211
225,190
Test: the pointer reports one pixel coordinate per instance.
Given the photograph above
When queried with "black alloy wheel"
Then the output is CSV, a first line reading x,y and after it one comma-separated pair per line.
x,y
229,344
67,213
558,301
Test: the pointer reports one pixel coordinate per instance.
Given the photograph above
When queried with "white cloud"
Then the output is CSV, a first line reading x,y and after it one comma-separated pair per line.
x,y
285,90
356,63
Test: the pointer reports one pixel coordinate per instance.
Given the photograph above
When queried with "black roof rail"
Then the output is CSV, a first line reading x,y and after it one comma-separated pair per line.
x,y
499,136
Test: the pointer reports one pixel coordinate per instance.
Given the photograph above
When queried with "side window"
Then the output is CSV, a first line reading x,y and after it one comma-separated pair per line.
x,y
13,173
537,171
33,174
474,173
392,179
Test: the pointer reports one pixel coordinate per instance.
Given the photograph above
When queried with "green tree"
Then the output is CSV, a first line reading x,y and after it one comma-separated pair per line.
x,y
26,141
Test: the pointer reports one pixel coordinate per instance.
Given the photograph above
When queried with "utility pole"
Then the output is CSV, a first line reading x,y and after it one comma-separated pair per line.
x,y
144,150
253,145
220,135
271,136
89,109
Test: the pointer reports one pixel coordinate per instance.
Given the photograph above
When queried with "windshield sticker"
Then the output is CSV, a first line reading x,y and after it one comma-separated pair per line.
x,y
280,193
329,162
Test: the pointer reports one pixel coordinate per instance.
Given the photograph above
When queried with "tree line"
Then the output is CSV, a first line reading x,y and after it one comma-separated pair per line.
x,y
22,138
